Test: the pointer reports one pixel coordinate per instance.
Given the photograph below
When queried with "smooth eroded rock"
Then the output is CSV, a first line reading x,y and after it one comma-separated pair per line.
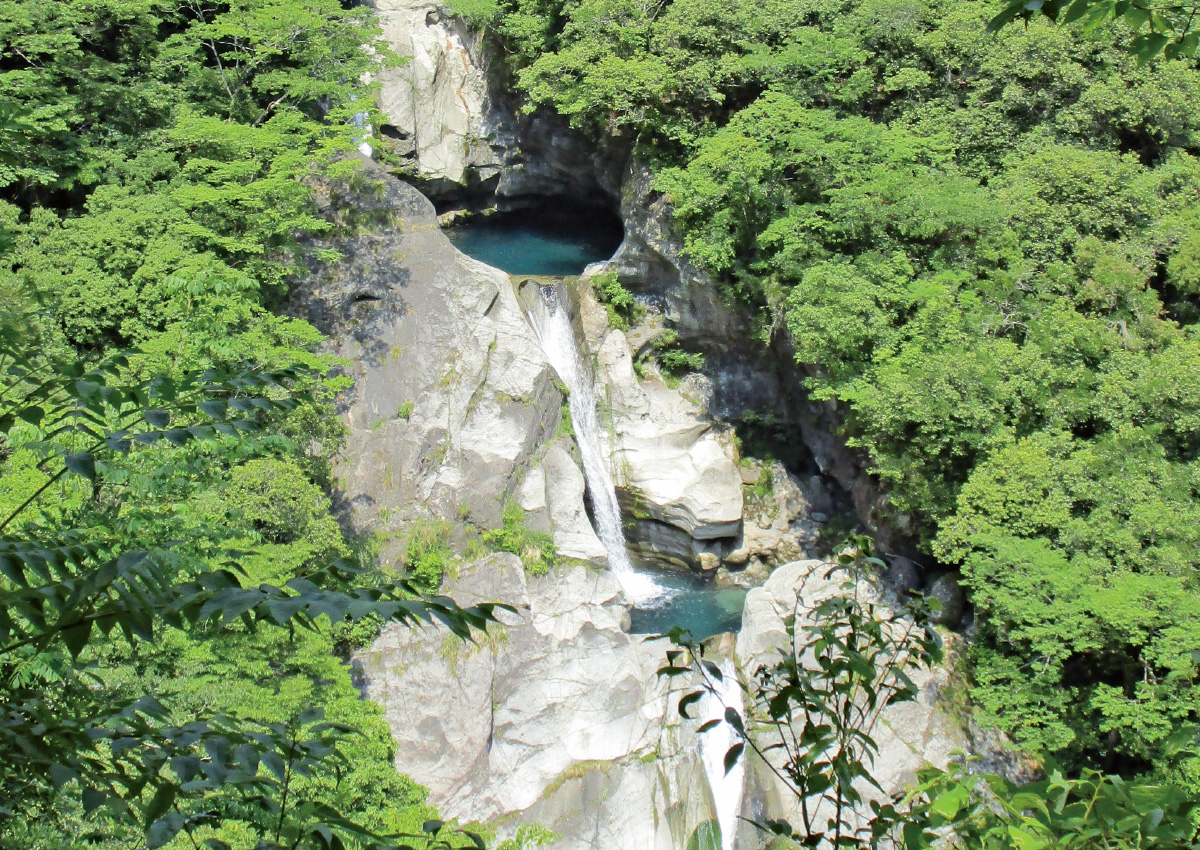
x,y
452,394
574,536
558,717
672,459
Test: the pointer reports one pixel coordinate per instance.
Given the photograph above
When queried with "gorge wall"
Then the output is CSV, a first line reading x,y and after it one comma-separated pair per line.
x,y
468,146
556,716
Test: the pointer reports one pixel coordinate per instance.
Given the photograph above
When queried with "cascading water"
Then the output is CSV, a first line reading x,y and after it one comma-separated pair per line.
x,y
714,744
552,325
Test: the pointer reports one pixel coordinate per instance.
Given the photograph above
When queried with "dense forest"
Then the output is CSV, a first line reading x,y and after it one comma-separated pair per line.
x,y
984,248
154,168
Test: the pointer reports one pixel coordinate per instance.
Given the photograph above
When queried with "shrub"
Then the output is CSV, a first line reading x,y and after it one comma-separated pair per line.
x,y
427,554
623,309
535,548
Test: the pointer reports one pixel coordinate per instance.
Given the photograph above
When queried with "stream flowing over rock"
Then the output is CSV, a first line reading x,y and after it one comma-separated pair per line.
x,y
556,716
674,465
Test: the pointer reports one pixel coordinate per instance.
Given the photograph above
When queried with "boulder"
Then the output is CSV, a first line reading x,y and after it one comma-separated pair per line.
x,y
574,536
947,590
676,463
532,499
557,717
780,523
902,575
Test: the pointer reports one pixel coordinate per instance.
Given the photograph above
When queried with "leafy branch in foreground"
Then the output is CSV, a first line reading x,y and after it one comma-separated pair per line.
x,y
810,721
811,714
71,571
1165,28
957,810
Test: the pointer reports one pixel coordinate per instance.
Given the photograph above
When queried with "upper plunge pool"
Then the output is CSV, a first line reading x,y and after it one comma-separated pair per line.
x,y
551,239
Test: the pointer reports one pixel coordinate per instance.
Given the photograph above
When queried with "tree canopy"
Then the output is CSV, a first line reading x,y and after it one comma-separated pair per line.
x,y
980,244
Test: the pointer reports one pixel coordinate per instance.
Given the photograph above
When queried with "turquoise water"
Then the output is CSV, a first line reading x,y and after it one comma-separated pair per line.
x,y
699,606
548,241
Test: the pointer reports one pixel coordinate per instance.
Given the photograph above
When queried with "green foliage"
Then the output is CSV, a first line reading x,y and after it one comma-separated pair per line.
x,y
427,554
566,428
528,837
673,362
1091,810
982,248
847,661
535,548
102,571
623,309
404,411
1162,28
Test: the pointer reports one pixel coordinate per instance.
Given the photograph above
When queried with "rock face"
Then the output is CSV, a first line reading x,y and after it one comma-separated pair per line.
x,y
674,466
556,717
466,146
741,374
783,518
436,103
909,734
452,396
574,536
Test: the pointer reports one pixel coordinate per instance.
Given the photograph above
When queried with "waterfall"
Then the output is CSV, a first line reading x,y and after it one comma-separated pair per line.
x,y
552,325
726,788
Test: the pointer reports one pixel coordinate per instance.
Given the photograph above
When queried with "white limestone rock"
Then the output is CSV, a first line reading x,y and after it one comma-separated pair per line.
x,y
452,395
676,461
438,98
556,718
574,536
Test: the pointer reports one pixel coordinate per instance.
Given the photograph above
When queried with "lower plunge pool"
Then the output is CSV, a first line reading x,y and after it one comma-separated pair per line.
x,y
552,239
691,602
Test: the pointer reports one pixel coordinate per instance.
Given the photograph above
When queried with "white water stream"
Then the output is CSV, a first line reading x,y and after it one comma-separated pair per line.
x,y
726,787
552,325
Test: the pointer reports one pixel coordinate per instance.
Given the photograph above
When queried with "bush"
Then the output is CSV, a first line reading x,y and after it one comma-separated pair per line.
x,y
427,554
274,498
535,548
623,309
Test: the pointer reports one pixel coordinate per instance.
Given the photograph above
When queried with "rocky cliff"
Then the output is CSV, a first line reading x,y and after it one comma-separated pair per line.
x,y
464,143
452,401
557,717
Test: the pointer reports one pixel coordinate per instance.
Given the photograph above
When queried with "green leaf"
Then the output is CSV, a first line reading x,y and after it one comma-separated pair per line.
x,y
948,803
687,701
76,637
732,755
82,463
1025,840
161,801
